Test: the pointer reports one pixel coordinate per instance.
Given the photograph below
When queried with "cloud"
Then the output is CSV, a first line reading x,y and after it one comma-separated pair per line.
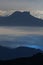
x,y
4,12
37,13
19,31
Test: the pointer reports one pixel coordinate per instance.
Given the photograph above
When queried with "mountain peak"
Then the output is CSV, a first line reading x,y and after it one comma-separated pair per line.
x,y
20,13
20,19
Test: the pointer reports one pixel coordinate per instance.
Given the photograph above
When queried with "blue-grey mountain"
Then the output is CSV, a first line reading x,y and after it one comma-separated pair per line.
x,y
20,19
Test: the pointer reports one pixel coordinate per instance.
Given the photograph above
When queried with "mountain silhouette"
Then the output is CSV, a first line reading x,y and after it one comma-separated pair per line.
x,y
20,19
9,53
34,60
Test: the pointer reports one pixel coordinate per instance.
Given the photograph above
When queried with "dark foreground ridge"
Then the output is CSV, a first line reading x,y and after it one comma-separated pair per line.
x,y
34,60
20,19
7,53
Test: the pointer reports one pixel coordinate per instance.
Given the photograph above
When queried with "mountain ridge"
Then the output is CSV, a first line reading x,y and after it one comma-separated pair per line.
x,y
7,53
21,19
35,59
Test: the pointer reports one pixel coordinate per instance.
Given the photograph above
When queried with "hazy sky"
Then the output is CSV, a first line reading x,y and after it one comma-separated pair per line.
x,y
21,4
36,6
20,31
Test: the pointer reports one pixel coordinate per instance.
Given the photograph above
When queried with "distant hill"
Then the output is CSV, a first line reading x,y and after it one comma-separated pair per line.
x,y
7,53
20,19
36,59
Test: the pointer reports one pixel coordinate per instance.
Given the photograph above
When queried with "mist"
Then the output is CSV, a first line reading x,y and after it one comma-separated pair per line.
x,y
13,37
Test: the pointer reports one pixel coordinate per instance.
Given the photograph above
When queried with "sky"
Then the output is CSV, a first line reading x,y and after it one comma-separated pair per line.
x,y
34,6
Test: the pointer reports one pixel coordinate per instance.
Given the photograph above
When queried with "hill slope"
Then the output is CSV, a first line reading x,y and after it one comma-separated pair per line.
x,y
7,53
34,60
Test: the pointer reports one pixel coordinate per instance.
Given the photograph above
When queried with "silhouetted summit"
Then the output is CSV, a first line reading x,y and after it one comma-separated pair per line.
x,y
16,13
20,19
